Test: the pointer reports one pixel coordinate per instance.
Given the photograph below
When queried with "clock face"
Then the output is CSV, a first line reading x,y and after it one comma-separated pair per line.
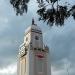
x,y
40,55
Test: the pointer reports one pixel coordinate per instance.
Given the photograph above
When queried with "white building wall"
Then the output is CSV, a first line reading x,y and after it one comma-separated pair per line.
x,y
48,64
27,63
32,64
37,43
27,39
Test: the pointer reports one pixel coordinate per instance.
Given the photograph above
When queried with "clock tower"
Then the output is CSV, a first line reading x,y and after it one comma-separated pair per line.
x,y
33,54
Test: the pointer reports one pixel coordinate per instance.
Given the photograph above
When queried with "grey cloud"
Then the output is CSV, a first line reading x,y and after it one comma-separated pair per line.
x,y
12,32
12,35
61,40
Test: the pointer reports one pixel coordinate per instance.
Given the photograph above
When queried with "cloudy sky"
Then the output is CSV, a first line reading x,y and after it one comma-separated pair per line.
x,y
61,40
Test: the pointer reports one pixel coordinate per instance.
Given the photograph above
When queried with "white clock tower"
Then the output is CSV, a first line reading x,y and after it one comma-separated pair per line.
x,y
33,54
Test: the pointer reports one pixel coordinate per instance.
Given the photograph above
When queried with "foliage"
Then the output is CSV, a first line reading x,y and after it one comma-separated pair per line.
x,y
20,6
53,15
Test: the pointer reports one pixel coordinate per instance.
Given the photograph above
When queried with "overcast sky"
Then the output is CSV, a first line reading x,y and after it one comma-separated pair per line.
x,y
61,40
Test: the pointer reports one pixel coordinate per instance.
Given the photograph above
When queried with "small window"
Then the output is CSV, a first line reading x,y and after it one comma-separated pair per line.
x,y
26,38
36,37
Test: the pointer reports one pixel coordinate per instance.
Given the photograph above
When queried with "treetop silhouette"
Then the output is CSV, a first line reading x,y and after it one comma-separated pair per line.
x,y
54,14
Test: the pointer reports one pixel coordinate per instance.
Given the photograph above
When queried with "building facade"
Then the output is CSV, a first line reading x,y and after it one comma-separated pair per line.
x,y
33,57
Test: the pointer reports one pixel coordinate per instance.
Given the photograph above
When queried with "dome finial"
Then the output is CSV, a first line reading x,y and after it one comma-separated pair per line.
x,y
33,21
